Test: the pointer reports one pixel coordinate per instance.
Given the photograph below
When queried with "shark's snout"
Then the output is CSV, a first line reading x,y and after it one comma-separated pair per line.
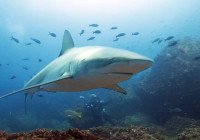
x,y
130,66
136,66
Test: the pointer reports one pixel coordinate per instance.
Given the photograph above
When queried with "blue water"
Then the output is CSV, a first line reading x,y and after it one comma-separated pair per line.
x,y
25,19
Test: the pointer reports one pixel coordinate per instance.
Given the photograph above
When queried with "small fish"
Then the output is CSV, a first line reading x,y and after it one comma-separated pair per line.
x,y
82,32
173,43
15,39
169,38
101,101
25,68
0,65
81,97
36,40
155,40
90,106
91,38
72,113
116,39
182,51
93,25
93,95
13,77
97,32
25,58
121,34
113,28
40,60
52,34
196,58
136,33
159,41
177,110
39,95
27,44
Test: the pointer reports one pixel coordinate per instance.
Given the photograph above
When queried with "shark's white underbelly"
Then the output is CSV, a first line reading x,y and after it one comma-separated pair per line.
x,y
86,83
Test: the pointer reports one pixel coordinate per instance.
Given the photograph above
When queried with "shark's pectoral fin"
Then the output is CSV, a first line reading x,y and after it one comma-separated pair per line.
x,y
116,88
36,86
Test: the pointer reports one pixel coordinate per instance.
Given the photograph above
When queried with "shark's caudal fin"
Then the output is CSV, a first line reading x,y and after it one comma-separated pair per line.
x,y
67,42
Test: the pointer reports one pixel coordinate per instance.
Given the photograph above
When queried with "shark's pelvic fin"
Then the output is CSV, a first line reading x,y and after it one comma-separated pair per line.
x,y
67,42
116,88
36,86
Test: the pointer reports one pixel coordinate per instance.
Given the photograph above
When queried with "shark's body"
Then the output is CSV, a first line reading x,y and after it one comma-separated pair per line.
x,y
85,68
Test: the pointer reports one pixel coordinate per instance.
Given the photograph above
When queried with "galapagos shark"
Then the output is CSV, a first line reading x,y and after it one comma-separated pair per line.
x,y
85,68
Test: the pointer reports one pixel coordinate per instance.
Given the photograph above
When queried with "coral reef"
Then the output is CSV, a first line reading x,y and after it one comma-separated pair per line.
x,y
43,134
192,133
98,133
122,133
176,128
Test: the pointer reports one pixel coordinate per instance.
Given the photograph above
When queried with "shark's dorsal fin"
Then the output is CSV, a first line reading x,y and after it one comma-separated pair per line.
x,y
117,88
67,42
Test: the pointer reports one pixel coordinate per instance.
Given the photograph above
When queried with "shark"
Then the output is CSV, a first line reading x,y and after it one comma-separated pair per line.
x,y
85,68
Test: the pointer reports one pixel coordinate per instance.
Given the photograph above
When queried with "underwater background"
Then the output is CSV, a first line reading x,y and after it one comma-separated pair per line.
x,y
166,31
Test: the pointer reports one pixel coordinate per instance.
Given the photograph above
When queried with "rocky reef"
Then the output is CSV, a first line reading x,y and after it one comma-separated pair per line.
x,y
171,87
